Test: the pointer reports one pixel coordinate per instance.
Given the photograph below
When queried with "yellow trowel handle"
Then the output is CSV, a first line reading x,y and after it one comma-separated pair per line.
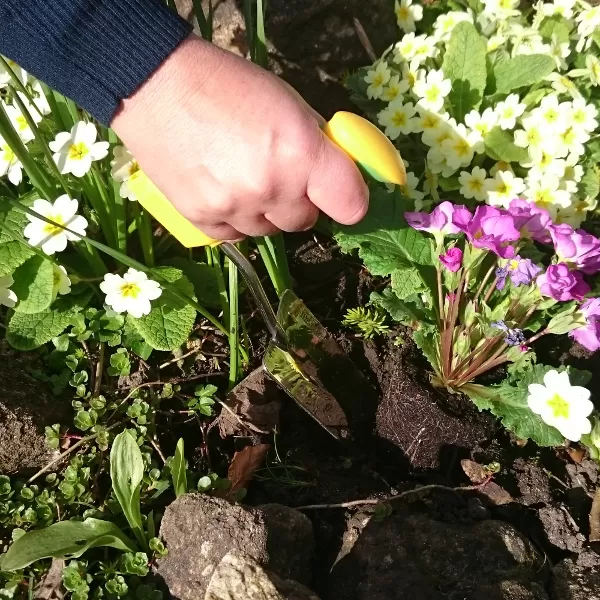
x,y
361,140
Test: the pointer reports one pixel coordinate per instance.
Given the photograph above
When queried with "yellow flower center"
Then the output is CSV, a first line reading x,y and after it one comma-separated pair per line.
x,y
461,147
9,155
432,93
131,290
543,197
378,80
551,115
502,189
53,230
568,137
22,124
133,168
513,265
476,184
559,406
534,137
78,151
506,4
430,122
403,13
56,278
399,119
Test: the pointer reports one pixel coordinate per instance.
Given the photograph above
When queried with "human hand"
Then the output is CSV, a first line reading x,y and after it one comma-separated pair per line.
x,y
235,149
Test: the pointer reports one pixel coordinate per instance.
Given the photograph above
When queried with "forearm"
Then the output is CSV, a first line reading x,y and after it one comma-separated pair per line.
x,y
96,52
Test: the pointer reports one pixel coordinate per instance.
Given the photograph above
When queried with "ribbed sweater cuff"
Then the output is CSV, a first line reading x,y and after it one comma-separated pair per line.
x,y
97,52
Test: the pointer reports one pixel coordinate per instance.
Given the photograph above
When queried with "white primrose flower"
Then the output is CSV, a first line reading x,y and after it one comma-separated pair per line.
x,y
551,114
7,296
534,44
592,65
582,115
562,405
501,9
559,51
124,168
564,8
131,293
39,100
446,22
544,192
481,123
395,89
425,47
411,73
19,122
5,77
377,78
531,137
587,22
407,13
503,188
430,124
509,111
10,164
473,184
459,149
74,152
572,142
397,118
495,41
561,84
432,90
409,189
52,238
62,283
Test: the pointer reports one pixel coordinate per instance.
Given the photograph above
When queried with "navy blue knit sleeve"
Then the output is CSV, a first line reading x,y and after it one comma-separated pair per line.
x,y
96,52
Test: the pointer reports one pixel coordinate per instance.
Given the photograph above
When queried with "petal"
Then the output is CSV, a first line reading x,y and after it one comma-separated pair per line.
x,y
99,150
6,281
84,132
65,207
573,429
112,284
78,224
151,289
43,207
80,167
554,379
140,308
135,276
34,232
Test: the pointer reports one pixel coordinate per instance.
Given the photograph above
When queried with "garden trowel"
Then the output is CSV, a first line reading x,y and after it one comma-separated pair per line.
x,y
301,357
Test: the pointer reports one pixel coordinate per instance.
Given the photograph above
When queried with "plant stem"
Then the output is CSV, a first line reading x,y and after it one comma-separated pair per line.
x,y
441,311
273,255
144,227
537,336
485,280
233,324
215,256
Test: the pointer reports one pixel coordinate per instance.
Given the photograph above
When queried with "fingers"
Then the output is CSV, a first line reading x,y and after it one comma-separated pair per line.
x,y
336,186
221,232
294,216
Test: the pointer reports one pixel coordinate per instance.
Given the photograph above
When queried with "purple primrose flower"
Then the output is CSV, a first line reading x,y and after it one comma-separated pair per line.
x,y
445,219
513,337
452,259
589,335
530,220
521,271
493,229
577,248
563,284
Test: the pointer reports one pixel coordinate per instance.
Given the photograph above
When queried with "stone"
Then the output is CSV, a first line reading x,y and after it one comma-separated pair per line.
x,y
199,530
577,579
561,529
413,556
26,408
240,577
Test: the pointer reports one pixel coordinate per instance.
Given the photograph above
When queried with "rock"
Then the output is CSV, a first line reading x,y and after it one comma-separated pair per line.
x,y
200,530
577,579
561,529
240,577
412,556
26,408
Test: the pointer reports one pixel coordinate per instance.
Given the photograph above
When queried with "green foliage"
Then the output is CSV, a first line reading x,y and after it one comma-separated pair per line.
x,y
126,472
499,144
171,320
522,70
120,365
67,539
464,64
203,400
34,285
369,322
12,255
383,238
178,472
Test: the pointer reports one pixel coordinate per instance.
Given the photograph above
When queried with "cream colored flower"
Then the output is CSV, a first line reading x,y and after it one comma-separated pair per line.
x,y
74,152
124,168
131,293
7,296
561,405
503,188
10,164
407,14
62,283
432,90
509,111
473,184
377,78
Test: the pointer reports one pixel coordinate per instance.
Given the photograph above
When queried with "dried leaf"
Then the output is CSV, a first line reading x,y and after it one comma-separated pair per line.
x,y
474,471
577,454
496,494
243,465
595,518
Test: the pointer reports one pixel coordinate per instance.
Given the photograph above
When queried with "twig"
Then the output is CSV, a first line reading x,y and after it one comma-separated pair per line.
x,y
98,375
178,358
595,518
364,40
157,448
248,426
415,491
81,442
176,380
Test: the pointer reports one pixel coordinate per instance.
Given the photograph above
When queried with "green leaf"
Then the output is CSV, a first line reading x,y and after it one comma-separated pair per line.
x,y
171,320
12,255
12,218
178,472
34,285
588,187
500,145
464,64
384,239
555,26
29,331
67,539
203,277
522,70
407,282
405,312
427,339
126,473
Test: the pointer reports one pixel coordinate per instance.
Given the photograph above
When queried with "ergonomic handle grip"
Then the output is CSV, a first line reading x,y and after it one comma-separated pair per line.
x,y
364,143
